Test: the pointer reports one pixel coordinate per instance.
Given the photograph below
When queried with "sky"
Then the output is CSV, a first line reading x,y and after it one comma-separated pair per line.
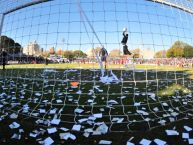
x,y
59,24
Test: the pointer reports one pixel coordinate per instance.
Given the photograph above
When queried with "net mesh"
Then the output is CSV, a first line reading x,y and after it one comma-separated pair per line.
x,y
130,95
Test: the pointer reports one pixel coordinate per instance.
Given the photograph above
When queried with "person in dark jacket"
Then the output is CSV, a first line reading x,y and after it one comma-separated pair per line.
x,y
124,42
3,56
103,55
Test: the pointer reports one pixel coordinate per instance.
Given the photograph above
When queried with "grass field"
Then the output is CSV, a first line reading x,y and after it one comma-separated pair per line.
x,y
94,65
147,101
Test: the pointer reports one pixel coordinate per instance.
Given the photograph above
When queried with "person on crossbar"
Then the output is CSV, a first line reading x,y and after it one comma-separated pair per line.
x,y
130,61
124,42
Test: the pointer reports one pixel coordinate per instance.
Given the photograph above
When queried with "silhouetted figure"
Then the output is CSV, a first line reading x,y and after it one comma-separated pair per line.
x,y
46,61
124,42
4,56
103,54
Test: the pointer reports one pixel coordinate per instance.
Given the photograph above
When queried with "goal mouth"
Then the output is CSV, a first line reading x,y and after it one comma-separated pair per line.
x,y
90,68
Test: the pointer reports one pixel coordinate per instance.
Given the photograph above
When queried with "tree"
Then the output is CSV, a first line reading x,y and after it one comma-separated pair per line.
x,y
46,54
93,52
160,54
17,48
79,54
10,45
68,54
52,50
96,51
60,52
188,51
136,53
180,49
115,53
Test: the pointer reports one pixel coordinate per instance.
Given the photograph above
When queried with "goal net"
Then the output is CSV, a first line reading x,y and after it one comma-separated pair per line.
x,y
57,75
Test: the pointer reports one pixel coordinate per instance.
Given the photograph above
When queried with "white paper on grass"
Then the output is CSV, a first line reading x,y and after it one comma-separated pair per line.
x,y
79,92
162,122
166,115
152,96
77,110
123,97
76,127
102,129
90,101
156,109
185,135
70,70
90,92
92,118
82,120
185,103
67,136
86,134
98,115
142,112
118,120
64,129
70,99
21,97
159,142
102,109
145,142
114,76
88,130
112,102
171,132
105,142
21,131
42,110
174,114
97,88
59,101
147,119
136,104
165,104
35,114
129,143
34,135
53,111
48,141
143,108
14,125
52,130
49,71
45,101
55,121
187,128
13,116
16,136
190,141
108,80
38,94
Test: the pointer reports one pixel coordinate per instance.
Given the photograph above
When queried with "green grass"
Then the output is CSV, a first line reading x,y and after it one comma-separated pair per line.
x,y
32,74
96,66
171,90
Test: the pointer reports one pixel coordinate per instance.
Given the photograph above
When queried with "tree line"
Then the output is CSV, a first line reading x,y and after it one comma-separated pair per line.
x,y
9,45
178,49
66,53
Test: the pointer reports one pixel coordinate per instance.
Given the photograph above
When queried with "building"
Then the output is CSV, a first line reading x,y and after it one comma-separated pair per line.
x,y
91,53
32,49
147,53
